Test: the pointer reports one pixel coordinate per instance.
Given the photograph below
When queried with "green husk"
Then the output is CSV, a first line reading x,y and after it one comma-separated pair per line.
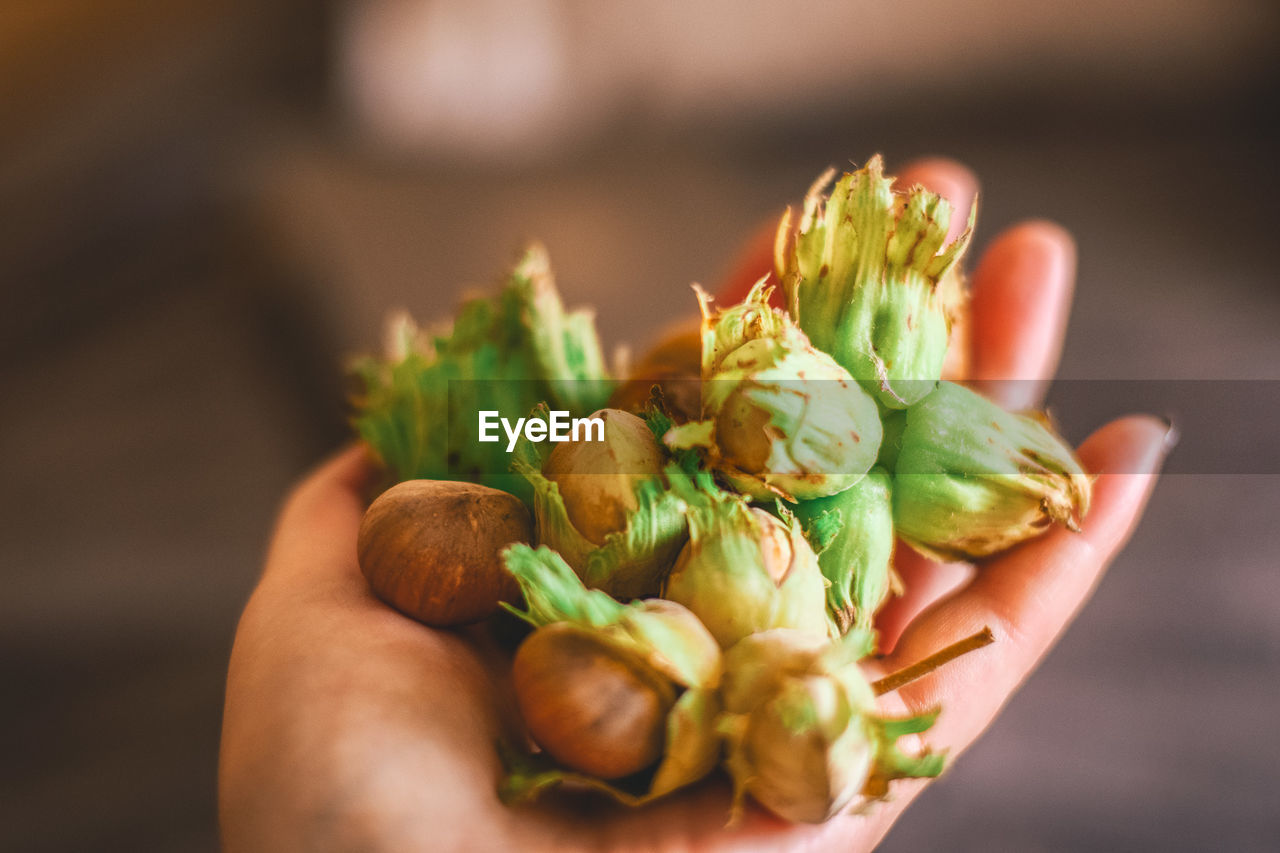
x,y
802,734
852,533
781,418
743,570
692,751
972,479
661,634
667,636
660,423
869,281
417,406
631,563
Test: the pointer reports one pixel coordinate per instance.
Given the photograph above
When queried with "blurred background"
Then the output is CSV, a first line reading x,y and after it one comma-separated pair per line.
x,y
207,205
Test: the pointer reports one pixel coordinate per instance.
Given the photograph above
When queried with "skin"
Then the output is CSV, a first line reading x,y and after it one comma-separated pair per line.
x,y
348,726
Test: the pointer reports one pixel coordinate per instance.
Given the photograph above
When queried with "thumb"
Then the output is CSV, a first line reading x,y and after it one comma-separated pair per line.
x,y
318,526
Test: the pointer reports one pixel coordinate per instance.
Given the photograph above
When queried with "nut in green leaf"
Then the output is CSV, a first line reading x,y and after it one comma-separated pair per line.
x,y
852,532
972,479
869,280
743,570
597,479
603,505
610,689
669,637
802,735
782,419
593,705
417,405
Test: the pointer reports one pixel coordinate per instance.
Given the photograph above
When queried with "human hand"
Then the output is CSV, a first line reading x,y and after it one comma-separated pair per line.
x,y
349,726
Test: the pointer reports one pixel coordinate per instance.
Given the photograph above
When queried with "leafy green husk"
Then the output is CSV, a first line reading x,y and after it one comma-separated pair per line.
x,y
893,422
723,574
867,279
660,423
417,406
660,633
663,633
852,533
692,751
802,734
782,419
631,563
972,479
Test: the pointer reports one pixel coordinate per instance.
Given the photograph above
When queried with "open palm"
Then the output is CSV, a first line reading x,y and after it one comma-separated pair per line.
x,y
348,726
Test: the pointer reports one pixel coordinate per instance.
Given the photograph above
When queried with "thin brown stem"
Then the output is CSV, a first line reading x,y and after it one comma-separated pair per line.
x,y
921,668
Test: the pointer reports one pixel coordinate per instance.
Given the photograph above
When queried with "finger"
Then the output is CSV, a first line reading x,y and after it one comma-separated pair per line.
x,y
923,583
343,477
1028,595
753,262
317,529
1018,310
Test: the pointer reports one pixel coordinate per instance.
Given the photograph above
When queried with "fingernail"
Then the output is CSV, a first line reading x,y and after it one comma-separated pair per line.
x,y
1148,455
1172,435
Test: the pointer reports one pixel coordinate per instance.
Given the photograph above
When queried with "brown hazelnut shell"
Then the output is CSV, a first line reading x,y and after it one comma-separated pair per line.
x,y
594,708
430,549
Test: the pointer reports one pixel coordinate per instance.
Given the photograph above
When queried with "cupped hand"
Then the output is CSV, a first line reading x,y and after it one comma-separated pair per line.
x,y
350,727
